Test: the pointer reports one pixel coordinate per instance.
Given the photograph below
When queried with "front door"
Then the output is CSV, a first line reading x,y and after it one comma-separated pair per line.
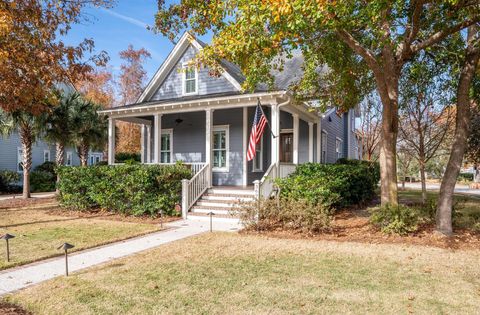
x,y
286,147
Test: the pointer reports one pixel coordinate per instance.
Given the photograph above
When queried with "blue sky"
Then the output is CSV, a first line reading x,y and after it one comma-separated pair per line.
x,y
114,29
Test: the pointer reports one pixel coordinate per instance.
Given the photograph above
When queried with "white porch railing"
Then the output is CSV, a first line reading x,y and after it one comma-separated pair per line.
x,y
263,188
192,189
287,169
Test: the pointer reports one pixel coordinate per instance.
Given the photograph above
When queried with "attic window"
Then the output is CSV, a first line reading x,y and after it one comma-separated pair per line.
x,y
190,80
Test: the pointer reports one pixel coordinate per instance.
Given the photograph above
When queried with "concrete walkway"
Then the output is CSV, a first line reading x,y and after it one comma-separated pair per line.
x,y
34,195
459,188
23,276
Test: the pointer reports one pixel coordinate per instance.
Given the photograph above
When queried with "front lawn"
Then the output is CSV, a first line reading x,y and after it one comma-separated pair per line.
x,y
40,227
224,273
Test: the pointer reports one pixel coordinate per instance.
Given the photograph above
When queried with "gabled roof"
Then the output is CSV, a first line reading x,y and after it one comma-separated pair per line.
x,y
231,73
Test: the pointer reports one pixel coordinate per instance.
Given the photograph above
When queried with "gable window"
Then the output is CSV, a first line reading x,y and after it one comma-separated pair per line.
x,y
324,148
190,80
258,159
19,160
220,148
166,147
68,162
338,148
46,155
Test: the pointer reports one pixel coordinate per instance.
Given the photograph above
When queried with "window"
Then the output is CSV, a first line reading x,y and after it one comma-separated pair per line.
x,y
324,148
338,148
68,162
166,147
258,159
46,155
220,148
19,160
190,80
94,158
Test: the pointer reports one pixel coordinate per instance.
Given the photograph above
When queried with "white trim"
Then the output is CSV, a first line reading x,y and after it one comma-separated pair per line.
x,y
324,145
310,142
111,141
225,128
185,67
148,158
69,153
319,140
234,101
244,146
296,126
168,132
157,122
341,148
255,168
46,151
162,73
287,130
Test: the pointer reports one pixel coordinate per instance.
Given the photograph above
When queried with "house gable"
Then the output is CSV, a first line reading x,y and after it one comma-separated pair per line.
x,y
168,81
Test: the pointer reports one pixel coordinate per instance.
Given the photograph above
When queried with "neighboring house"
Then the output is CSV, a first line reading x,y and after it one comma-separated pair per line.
x,y
187,115
11,149
11,154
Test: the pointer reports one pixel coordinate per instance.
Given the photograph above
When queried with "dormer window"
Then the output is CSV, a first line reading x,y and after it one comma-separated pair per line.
x,y
190,80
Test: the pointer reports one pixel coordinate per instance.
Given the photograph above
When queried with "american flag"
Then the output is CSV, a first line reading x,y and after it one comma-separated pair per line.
x,y
259,122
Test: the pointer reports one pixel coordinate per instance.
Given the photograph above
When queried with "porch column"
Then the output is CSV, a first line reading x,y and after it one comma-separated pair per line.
x,y
148,158
319,140
275,123
142,143
310,142
157,122
208,142
111,141
296,123
244,145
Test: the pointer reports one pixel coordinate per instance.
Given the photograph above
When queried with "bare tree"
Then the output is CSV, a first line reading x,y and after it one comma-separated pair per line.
x,y
405,159
370,127
425,115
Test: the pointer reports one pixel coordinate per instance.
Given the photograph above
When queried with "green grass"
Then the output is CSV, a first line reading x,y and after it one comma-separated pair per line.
x,y
234,274
466,207
39,233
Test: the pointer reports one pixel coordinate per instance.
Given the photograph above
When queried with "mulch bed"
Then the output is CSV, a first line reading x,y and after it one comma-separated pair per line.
x,y
11,309
353,226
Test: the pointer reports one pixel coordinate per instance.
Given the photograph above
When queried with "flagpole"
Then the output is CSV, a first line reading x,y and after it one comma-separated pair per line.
x,y
268,123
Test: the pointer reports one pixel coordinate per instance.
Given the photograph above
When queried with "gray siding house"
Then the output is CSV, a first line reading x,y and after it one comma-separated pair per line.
x,y
187,115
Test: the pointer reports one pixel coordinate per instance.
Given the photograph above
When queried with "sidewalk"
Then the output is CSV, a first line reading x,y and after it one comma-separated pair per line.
x,y
34,195
23,276
459,188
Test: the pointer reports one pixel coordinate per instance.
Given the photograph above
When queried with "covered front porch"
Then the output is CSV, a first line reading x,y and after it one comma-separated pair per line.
x,y
212,136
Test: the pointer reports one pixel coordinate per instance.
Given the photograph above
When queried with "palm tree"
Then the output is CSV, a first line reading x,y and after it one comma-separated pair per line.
x,y
29,127
89,129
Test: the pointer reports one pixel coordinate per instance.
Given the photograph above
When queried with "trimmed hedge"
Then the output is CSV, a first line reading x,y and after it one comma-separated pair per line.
x,y
345,183
122,157
128,189
8,180
44,177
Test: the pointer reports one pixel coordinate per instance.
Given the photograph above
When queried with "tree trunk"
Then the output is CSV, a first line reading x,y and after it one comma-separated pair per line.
x,y
26,138
423,181
388,91
445,199
83,154
59,159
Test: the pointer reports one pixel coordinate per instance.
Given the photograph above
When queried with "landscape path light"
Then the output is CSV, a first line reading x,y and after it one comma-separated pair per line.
x,y
6,237
211,214
66,247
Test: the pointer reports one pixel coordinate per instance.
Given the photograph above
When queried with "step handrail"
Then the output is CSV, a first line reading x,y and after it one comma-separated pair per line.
x,y
193,189
263,188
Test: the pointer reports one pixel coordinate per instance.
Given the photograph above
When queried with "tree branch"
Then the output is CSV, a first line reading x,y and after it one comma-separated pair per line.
x,y
365,53
440,35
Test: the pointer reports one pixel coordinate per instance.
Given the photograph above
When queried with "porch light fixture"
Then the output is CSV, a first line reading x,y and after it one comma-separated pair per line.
x,y
66,247
6,237
178,121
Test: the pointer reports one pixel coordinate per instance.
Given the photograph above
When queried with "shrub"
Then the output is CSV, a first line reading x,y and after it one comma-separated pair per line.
x,y
44,177
8,180
122,157
395,219
128,189
332,185
296,215
467,177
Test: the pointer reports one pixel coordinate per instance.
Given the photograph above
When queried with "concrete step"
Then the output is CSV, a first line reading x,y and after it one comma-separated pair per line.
x,y
213,208
215,218
231,192
218,203
222,197
205,211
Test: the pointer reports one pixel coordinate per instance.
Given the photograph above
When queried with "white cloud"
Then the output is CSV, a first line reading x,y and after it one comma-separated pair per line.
x,y
128,19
